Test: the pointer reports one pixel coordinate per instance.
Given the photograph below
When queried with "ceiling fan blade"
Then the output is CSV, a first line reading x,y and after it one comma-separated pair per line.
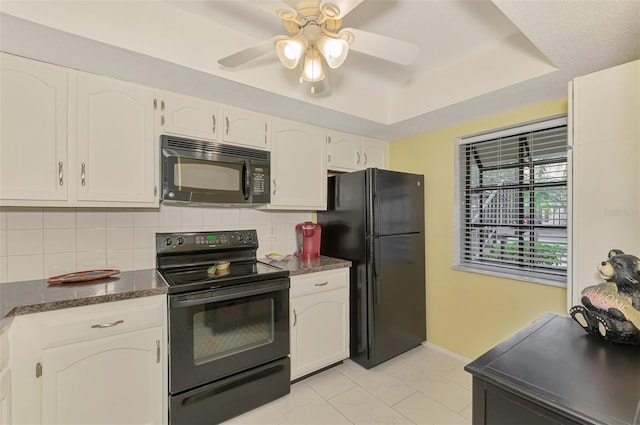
x,y
384,47
344,6
249,54
272,6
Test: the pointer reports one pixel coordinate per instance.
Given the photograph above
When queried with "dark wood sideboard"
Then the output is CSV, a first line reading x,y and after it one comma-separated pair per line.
x,y
552,372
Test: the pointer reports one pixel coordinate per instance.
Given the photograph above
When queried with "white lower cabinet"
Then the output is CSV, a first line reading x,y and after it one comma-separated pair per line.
x,y
5,397
115,380
98,364
319,320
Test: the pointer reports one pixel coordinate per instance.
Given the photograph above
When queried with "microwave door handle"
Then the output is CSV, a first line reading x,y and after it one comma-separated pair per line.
x,y
245,180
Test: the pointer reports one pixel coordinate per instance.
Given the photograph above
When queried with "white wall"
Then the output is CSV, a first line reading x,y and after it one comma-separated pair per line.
x,y
36,243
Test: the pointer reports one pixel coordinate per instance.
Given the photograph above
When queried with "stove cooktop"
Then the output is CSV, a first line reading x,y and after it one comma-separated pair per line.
x,y
197,278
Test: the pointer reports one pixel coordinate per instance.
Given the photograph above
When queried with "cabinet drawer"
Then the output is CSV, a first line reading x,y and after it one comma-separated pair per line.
x,y
102,320
319,282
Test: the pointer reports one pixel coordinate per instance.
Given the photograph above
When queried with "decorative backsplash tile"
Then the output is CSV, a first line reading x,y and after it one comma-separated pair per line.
x,y
36,243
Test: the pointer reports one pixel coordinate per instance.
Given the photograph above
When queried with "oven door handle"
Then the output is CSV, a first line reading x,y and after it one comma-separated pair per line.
x,y
193,300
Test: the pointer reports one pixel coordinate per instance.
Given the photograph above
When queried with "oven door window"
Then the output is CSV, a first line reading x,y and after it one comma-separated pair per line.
x,y
226,329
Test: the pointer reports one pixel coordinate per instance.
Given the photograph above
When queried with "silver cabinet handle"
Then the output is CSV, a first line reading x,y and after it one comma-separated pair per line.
x,y
266,131
60,173
83,169
162,105
328,158
295,317
321,284
358,158
107,325
213,118
275,187
226,119
157,351
365,159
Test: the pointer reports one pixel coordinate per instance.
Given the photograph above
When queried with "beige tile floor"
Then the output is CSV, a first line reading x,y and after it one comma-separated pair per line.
x,y
422,386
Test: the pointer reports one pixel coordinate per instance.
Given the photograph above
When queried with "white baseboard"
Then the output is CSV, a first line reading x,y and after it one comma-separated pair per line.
x,y
447,352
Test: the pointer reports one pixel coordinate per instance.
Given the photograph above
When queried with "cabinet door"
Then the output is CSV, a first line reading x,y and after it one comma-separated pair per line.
x,y
115,142
319,331
343,151
375,154
298,167
189,117
113,380
605,159
5,397
246,128
33,139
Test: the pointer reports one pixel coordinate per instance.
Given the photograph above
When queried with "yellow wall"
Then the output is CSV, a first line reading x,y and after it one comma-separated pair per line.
x,y
469,313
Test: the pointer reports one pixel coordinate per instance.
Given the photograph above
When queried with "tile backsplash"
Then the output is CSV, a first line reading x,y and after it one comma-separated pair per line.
x,y
36,243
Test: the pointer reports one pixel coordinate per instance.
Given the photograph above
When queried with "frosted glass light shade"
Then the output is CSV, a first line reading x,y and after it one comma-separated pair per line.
x,y
334,50
312,71
290,51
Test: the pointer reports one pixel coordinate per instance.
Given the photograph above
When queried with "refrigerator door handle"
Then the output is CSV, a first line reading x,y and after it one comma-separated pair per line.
x,y
377,269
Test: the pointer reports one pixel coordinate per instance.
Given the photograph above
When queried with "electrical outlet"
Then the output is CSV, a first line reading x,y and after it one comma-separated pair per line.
x,y
273,231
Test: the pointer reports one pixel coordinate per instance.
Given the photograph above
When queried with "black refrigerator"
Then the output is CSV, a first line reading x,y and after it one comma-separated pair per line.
x,y
375,219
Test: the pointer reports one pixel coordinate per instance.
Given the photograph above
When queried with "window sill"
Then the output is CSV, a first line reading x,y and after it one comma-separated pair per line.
x,y
530,279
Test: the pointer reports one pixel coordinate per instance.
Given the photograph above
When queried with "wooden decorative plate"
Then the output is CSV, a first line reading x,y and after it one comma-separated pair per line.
x,y
82,276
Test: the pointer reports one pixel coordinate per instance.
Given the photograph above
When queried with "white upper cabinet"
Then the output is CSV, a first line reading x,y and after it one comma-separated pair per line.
x,y
189,116
347,152
74,139
33,141
375,153
298,167
343,151
115,141
246,128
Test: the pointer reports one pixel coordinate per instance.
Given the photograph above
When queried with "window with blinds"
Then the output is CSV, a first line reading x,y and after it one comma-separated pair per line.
x,y
512,202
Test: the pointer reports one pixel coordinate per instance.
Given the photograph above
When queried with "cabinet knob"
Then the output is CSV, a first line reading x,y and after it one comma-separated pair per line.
x,y
295,317
213,118
275,187
226,120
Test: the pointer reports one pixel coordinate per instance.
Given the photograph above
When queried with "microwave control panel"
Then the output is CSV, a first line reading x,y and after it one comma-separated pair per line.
x,y
259,184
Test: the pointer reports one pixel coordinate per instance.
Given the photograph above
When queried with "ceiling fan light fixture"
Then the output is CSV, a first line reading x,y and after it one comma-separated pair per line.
x,y
334,50
312,71
290,50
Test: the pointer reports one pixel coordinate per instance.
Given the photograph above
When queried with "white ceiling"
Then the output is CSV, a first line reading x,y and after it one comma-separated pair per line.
x,y
476,58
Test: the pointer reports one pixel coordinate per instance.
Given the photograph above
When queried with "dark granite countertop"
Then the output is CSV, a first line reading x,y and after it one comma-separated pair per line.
x,y
297,266
34,296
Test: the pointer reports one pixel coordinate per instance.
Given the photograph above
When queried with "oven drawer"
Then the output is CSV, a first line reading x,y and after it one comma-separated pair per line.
x,y
221,400
319,282
101,320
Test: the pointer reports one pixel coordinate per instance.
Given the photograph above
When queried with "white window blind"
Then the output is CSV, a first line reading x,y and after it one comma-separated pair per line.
x,y
512,201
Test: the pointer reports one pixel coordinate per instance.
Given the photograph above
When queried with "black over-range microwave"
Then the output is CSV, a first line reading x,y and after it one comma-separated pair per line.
x,y
202,172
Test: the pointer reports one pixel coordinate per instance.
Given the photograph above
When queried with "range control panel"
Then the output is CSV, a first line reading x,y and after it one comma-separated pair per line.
x,y
206,241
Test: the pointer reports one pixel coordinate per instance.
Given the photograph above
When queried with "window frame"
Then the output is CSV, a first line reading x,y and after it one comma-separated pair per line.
x,y
459,202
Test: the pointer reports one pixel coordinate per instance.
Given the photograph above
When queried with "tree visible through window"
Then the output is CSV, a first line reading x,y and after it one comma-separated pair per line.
x,y
513,201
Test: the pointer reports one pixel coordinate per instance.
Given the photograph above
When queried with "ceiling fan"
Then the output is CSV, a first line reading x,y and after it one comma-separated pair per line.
x,y
316,34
